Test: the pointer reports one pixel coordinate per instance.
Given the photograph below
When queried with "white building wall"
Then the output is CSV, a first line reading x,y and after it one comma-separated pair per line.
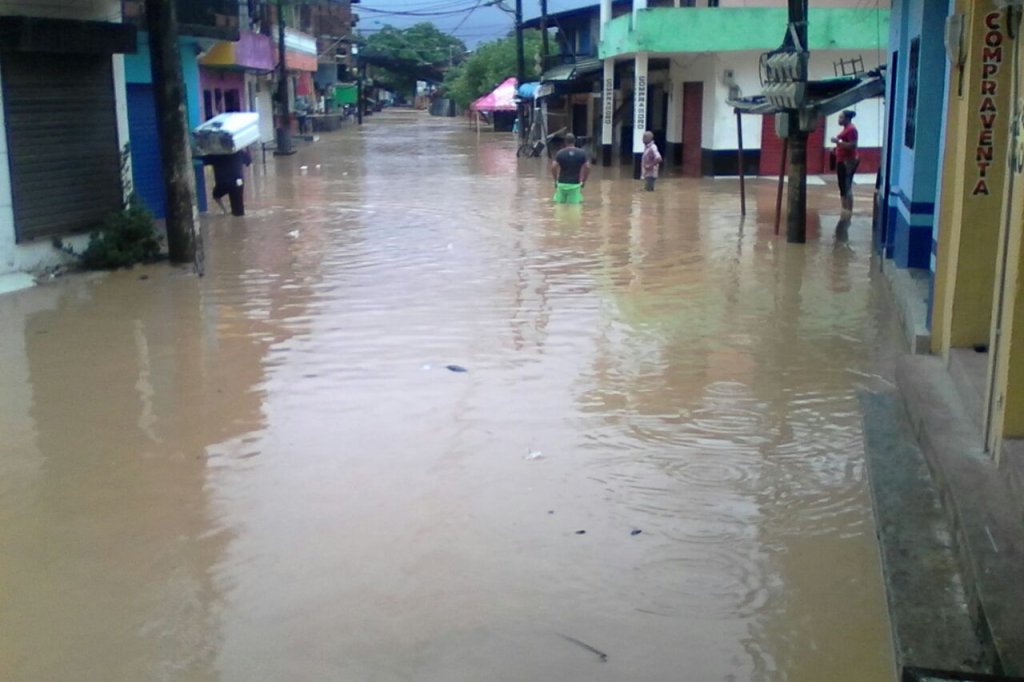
x,y
870,119
41,254
719,123
264,105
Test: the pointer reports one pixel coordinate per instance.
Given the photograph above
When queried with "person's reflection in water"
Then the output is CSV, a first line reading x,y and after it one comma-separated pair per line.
x,y
842,253
569,217
842,238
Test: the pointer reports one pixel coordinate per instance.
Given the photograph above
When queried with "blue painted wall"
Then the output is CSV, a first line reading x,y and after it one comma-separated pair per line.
x,y
138,71
914,177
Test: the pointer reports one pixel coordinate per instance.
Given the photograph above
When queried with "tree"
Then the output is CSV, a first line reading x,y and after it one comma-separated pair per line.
x,y
489,65
403,56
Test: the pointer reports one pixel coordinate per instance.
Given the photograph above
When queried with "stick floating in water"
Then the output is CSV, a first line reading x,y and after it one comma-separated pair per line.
x,y
602,655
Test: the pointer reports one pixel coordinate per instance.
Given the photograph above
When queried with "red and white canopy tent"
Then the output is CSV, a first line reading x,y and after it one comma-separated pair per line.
x,y
502,98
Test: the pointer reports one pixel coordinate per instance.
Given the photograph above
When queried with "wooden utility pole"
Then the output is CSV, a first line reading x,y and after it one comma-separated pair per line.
x,y
520,68
360,100
520,56
172,124
796,199
284,123
544,32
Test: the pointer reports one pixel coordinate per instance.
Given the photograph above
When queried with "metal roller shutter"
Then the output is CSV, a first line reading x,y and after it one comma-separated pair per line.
x,y
147,171
62,141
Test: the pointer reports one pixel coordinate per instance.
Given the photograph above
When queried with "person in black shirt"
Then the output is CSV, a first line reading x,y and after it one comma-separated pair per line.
x,y
570,170
227,179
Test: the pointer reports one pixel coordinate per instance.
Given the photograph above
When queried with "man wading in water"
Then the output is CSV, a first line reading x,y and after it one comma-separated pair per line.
x,y
570,170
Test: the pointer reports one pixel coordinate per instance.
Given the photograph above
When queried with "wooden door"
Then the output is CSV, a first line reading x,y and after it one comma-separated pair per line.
x,y
693,114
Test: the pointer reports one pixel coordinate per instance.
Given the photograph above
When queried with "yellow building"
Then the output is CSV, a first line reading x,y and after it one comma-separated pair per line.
x,y
978,303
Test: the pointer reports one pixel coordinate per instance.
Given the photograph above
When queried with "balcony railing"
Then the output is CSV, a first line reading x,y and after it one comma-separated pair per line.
x,y
203,18
555,60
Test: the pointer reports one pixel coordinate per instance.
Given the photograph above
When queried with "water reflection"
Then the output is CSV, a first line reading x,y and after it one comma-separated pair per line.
x,y
269,473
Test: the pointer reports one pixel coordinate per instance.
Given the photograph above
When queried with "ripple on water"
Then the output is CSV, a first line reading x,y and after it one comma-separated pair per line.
x,y
723,583
705,472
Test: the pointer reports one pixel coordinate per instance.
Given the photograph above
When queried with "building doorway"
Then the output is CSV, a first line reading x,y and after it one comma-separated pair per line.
x,y
693,118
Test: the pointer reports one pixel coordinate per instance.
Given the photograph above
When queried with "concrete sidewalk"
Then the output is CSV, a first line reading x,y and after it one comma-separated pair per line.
x,y
979,504
951,532
936,419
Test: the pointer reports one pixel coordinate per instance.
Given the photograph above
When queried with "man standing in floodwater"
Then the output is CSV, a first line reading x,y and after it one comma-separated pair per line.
x,y
650,162
570,170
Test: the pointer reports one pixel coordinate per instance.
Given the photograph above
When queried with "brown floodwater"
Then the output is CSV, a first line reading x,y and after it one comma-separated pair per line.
x,y
269,473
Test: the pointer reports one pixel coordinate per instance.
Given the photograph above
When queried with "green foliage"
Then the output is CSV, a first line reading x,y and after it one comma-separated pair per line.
x,y
123,239
489,65
410,49
421,44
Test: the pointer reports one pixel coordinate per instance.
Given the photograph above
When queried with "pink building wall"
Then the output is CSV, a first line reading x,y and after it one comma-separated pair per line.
x,y
222,91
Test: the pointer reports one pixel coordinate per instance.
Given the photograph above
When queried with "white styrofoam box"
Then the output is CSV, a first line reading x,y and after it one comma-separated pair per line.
x,y
227,133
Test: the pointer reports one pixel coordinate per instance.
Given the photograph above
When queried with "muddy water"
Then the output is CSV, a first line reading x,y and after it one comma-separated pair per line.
x,y
269,473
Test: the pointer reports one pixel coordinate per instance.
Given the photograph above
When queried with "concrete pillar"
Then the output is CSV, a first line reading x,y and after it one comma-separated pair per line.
x,y
639,110
607,112
637,6
674,124
607,92
606,15
975,168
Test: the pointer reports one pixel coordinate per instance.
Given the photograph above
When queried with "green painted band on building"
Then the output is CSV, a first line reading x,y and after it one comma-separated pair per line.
x,y
715,29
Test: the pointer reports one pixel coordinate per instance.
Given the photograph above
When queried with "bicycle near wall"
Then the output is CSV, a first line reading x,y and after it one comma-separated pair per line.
x,y
537,138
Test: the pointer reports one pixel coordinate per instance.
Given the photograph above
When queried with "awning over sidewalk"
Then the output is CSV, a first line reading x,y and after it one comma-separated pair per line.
x,y
825,97
566,78
568,72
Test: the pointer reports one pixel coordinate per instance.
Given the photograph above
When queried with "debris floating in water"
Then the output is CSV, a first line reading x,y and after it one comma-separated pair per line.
x,y
581,532
602,655
456,368
635,531
534,454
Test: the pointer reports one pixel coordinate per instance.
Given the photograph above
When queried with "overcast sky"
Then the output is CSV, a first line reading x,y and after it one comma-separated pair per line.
x,y
472,21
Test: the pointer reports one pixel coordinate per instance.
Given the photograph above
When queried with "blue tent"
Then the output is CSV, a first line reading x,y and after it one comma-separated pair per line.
x,y
527,90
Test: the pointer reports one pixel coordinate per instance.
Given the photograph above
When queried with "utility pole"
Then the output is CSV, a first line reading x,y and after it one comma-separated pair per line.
x,y
172,123
520,67
284,132
544,32
520,56
796,199
360,100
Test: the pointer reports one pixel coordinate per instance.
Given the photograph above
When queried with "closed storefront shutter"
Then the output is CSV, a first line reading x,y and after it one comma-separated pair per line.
x,y
62,140
147,173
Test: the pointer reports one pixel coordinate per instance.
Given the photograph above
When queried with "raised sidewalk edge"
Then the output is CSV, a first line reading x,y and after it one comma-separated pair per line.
x,y
988,533
931,621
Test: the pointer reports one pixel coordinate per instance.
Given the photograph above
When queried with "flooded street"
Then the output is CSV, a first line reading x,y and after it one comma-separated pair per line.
x,y
270,474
